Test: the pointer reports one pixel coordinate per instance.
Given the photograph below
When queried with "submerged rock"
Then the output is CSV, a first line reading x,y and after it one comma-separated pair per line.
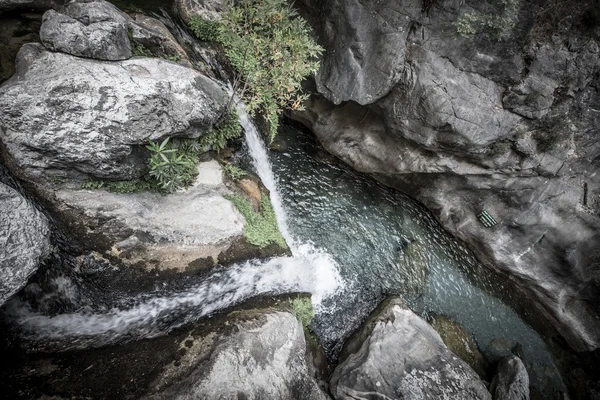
x,y
67,117
511,381
397,355
87,28
459,342
23,241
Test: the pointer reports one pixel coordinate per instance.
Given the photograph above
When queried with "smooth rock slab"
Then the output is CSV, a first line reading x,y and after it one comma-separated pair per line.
x,y
93,29
63,116
166,232
23,241
397,355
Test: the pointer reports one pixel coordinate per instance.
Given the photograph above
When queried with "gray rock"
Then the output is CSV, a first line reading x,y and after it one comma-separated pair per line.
x,y
63,116
511,381
263,358
205,9
155,36
163,232
87,28
397,355
472,124
23,241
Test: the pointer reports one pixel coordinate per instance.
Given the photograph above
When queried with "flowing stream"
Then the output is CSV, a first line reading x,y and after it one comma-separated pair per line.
x,y
353,242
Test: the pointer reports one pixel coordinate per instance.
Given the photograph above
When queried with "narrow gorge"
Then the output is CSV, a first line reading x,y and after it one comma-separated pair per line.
x,y
263,199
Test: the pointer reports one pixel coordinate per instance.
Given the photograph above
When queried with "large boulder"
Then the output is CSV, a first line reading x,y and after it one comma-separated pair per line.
x,y
183,230
472,124
23,241
511,381
398,355
263,358
87,28
66,117
155,36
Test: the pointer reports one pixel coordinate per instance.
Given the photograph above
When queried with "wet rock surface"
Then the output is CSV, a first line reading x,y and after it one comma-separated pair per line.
x,y
204,9
396,354
472,124
24,241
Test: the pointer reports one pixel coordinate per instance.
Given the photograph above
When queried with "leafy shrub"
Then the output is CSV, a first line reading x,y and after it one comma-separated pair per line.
x,y
272,49
171,167
494,25
227,130
261,228
303,310
234,172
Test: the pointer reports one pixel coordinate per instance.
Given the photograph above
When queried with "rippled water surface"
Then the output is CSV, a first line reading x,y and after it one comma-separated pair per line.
x,y
385,243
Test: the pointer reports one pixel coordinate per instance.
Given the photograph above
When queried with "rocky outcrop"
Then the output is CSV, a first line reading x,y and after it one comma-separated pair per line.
x,y
182,230
87,28
67,117
511,381
459,342
205,9
399,355
263,358
472,124
23,241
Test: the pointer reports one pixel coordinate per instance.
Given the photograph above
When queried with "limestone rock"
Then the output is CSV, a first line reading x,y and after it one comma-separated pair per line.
x,y
23,241
164,232
511,381
64,117
397,355
92,29
263,359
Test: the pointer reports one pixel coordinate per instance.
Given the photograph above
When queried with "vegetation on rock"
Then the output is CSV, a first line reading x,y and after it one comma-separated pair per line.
x,y
227,130
261,228
271,48
303,310
493,25
233,172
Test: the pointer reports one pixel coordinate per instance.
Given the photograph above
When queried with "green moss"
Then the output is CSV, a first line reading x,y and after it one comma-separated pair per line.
x,y
139,50
303,310
261,228
234,172
131,186
227,130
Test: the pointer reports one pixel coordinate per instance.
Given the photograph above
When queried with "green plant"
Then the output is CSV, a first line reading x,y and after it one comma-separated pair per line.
x,y
131,186
174,58
493,25
139,50
172,167
271,48
227,130
234,172
302,309
261,229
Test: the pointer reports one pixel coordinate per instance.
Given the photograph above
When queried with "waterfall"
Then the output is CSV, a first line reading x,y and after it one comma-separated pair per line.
x,y
308,270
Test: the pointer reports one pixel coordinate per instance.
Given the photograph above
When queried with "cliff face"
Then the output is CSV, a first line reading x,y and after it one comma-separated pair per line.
x,y
466,124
